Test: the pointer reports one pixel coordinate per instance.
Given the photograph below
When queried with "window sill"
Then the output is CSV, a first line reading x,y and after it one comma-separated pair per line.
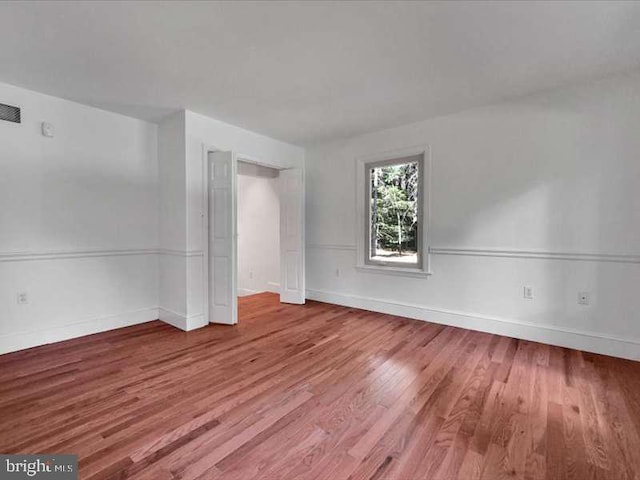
x,y
398,271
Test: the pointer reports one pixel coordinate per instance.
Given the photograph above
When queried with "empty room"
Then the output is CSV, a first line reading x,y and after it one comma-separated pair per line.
x,y
300,240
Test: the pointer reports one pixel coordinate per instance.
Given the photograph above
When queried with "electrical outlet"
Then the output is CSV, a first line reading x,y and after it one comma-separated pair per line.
x,y
337,272
583,298
250,273
527,292
23,298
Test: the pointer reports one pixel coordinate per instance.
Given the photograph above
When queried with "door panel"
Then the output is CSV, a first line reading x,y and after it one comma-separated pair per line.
x,y
292,288
223,305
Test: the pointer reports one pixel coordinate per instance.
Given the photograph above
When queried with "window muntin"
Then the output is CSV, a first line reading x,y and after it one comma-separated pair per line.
x,y
394,198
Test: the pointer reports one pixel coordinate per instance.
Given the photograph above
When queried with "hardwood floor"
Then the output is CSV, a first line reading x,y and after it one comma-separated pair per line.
x,y
322,392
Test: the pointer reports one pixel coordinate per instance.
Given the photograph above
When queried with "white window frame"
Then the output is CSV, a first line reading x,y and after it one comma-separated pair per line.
x,y
363,165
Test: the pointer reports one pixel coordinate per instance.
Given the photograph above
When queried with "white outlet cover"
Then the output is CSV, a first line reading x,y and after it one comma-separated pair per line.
x,y
527,292
583,298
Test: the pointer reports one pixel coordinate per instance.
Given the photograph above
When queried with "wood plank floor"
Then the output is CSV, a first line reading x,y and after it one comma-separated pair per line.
x,y
322,392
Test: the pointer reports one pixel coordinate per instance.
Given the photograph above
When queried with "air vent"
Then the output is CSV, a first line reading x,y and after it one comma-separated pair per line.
x,y
9,113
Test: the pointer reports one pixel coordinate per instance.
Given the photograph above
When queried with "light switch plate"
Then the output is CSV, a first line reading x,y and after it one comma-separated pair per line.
x,y
48,130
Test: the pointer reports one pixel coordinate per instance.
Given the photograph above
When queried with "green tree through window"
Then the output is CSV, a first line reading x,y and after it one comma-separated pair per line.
x,y
394,212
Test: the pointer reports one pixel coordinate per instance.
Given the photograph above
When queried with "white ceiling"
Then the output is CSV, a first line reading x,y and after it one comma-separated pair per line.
x,y
309,71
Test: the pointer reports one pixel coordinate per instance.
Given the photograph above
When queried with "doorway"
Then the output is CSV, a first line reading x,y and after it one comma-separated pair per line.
x,y
258,229
220,227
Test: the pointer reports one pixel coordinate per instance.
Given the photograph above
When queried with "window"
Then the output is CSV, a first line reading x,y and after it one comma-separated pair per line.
x,y
392,209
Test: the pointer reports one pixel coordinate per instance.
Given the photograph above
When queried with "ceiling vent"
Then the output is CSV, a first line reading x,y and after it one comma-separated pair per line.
x,y
9,113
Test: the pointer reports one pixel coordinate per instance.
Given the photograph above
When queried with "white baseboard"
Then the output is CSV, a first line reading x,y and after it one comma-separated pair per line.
x,y
552,335
195,321
565,337
20,340
243,292
13,342
174,319
272,287
180,320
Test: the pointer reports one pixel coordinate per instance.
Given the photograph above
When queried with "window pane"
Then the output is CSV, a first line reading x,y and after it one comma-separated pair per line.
x,y
393,207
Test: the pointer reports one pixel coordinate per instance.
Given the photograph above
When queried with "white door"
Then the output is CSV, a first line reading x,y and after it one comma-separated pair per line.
x,y
291,236
223,305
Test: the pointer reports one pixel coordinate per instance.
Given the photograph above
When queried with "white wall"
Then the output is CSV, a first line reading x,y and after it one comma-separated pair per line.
x,y
78,221
101,225
173,219
201,130
185,276
258,229
553,176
